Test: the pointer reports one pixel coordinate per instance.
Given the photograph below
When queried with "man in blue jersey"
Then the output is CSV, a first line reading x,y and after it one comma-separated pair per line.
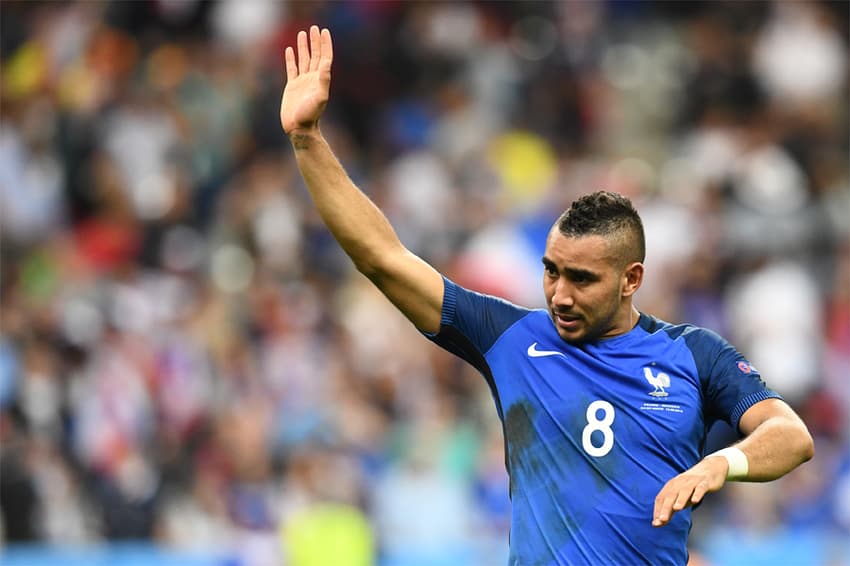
x,y
604,408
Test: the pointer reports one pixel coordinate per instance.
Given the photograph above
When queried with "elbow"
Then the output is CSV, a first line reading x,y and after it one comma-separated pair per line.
x,y
367,260
807,451
378,264
375,268
368,268
800,442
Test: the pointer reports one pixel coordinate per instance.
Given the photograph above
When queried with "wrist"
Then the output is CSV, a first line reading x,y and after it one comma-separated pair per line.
x,y
305,131
739,465
302,138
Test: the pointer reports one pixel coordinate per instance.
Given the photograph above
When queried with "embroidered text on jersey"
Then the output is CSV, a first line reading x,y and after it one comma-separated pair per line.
x,y
535,353
659,382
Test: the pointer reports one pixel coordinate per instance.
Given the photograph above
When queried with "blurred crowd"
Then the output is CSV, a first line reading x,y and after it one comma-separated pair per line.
x,y
188,358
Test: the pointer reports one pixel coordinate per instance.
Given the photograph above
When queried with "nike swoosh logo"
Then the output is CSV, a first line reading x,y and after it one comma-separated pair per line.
x,y
535,353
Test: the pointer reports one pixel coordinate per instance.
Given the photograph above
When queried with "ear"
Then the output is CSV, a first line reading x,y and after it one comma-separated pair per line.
x,y
632,278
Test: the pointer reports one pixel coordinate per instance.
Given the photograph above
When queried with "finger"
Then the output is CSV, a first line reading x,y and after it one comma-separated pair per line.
x,y
303,53
682,499
656,509
327,48
662,511
699,492
315,47
291,67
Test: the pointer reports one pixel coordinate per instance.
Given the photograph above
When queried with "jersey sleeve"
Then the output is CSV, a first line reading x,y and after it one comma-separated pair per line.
x,y
730,384
472,322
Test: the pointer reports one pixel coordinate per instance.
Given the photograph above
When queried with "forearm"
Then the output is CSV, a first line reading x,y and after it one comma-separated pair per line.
x,y
361,229
775,447
777,442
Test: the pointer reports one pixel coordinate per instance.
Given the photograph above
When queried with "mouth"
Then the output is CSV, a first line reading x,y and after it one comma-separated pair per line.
x,y
566,321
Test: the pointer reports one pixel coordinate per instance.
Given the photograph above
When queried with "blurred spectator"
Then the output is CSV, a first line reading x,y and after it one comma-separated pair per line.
x,y
784,343
801,37
324,522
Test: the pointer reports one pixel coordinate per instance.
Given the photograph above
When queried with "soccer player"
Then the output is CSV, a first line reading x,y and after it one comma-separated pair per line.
x,y
604,408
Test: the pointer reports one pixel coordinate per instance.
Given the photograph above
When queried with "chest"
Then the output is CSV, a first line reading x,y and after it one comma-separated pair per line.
x,y
648,398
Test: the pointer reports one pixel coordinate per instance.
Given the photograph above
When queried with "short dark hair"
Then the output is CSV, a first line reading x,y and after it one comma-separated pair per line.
x,y
604,213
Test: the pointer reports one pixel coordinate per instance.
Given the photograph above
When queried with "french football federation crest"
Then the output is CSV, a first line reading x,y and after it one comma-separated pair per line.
x,y
659,382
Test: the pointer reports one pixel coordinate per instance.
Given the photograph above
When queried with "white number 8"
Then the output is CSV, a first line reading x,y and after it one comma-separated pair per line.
x,y
602,425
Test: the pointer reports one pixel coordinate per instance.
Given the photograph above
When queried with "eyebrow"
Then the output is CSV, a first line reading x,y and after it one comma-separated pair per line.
x,y
572,272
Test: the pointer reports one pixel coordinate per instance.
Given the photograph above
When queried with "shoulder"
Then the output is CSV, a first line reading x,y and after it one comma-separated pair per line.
x,y
713,355
461,303
705,346
693,336
475,318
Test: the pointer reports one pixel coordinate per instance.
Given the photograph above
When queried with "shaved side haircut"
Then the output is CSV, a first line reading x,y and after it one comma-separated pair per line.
x,y
610,215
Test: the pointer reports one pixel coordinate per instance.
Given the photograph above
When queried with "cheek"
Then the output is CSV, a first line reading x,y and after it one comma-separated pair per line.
x,y
548,289
600,300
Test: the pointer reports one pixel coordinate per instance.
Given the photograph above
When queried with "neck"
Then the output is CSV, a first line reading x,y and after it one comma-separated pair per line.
x,y
634,316
629,319
626,322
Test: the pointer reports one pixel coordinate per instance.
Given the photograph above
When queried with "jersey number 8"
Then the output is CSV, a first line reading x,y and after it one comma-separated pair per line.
x,y
602,425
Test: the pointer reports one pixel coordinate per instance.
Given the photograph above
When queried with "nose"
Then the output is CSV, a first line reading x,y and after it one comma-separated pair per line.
x,y
562,297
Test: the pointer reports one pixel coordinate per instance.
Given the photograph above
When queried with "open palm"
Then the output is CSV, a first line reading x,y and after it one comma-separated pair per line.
x,y
308,81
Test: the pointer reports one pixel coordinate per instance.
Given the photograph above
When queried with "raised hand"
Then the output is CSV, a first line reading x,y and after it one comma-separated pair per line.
x,y
308,81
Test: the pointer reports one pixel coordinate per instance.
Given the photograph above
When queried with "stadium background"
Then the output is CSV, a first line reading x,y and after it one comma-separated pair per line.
x,y
192,373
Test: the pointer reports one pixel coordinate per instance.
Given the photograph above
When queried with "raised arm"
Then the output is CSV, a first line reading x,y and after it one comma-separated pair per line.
x,y
776,442
362,230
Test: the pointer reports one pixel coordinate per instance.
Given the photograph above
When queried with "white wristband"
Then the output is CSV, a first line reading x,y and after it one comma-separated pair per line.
x,y
738,463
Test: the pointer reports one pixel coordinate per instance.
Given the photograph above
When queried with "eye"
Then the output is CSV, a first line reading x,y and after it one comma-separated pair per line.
x,y
582,277
550,270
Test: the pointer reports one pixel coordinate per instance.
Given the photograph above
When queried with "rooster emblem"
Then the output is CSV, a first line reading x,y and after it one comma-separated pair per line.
x,y
659,382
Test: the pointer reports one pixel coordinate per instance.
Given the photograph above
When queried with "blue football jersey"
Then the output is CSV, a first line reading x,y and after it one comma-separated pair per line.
x,y
593,431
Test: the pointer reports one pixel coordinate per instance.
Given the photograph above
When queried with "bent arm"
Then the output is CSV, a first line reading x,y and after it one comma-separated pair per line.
x,y
777,441
366,235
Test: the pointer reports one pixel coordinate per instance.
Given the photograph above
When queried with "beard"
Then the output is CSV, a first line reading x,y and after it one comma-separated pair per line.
x,y
589,328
